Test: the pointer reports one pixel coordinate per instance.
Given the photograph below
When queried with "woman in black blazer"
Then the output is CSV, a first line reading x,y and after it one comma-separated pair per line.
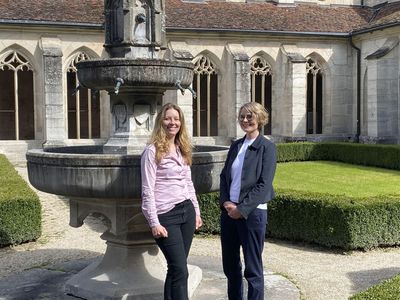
x,y
245,189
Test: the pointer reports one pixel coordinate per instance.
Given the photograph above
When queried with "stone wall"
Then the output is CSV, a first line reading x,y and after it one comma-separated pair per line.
x,y
380,112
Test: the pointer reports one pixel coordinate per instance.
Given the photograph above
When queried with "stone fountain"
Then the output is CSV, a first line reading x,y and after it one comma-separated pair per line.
x,y
105,180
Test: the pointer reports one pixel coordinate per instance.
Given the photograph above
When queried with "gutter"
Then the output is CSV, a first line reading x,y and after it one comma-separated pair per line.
x,y
271,32
358,91
97,26
378,27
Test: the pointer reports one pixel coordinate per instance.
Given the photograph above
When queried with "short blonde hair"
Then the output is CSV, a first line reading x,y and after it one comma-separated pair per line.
x,y
256,109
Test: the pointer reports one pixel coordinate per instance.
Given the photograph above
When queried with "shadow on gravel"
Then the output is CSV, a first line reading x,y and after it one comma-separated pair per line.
x,y
45,280
306,246
363,280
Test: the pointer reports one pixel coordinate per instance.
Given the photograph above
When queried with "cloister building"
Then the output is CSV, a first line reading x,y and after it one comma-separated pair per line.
x,y
324,69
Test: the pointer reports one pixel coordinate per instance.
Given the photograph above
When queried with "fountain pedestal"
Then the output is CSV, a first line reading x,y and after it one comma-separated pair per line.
x,y
127,272
132,266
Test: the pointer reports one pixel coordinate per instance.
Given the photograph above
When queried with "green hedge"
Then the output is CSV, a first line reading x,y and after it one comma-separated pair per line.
x,y
335,221
20,209
210,212
384,156
329,220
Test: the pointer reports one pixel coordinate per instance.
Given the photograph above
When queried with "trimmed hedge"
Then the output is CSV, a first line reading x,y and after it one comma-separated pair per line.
x,y
20,209
210,213
329,220
384,156
335,221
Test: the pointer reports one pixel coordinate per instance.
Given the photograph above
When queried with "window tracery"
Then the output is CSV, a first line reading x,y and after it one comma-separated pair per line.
x,y
16,98
314,97
261,86
83,104
205,106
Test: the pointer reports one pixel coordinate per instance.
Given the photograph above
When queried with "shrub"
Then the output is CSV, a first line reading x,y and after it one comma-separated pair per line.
x,y
335,221
384,156
20,209
210,213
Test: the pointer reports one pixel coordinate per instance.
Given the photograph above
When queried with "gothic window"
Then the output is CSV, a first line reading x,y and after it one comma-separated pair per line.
x,y
261,86
205,106
314,97
16,98
83,105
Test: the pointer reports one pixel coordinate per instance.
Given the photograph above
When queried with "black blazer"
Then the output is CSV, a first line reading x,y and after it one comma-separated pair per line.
x,y
257,174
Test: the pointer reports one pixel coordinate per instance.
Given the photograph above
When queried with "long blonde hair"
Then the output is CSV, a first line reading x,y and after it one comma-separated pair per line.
x,y
160,140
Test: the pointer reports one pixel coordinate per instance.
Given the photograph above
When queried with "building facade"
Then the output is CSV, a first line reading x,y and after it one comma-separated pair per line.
x,y
325,70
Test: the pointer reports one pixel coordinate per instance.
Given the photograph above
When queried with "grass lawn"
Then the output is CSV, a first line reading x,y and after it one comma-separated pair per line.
x,y
337,178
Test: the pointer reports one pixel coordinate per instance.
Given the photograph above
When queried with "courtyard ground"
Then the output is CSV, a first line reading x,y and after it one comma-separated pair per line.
x,y
318,273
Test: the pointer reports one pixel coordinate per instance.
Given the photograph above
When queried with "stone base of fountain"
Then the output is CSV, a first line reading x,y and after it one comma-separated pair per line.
x,y
126,272
108,186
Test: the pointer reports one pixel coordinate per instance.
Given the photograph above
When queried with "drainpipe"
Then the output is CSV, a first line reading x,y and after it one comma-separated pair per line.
x,y
357,139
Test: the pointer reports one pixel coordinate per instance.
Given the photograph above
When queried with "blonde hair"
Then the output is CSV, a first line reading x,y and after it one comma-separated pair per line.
x,y
256,109
160,140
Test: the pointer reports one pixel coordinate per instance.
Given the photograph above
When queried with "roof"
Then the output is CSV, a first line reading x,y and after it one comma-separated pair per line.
x,y
63,11
265,16
385,15
214,15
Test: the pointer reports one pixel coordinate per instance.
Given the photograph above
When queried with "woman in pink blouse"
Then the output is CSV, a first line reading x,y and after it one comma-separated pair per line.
x,y
169,200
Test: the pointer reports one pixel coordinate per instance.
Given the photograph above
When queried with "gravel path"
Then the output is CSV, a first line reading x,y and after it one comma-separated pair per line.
x,y
319,274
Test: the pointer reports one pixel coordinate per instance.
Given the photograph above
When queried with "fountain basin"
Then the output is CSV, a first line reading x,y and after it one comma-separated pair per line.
x,y
83,171
137,74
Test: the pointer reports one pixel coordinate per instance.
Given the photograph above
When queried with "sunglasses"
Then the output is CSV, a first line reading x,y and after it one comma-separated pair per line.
x,y
248,116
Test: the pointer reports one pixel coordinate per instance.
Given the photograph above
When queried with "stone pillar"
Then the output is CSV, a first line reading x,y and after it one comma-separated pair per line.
x,y
298,94
383,94
185,102
55,130
372,100
240,88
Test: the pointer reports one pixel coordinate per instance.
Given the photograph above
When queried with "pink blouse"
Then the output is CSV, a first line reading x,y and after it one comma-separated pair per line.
x,y
165,185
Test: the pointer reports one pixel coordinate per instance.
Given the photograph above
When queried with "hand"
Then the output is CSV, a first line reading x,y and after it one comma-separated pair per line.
x,y
159,231
234,213
199,222
229,205
232,210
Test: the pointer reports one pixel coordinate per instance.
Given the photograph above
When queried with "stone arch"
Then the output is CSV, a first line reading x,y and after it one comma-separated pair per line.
x,y
89,52
269,59
320,61
22,51
213,58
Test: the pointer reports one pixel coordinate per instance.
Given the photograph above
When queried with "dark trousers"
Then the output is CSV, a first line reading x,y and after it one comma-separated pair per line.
x,y
180,223
250,234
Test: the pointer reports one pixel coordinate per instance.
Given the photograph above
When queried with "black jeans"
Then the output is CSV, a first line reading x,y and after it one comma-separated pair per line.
x,y
248,234
180,223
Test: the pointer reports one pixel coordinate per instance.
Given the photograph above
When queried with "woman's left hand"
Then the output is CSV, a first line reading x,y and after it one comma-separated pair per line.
x,y
199,222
